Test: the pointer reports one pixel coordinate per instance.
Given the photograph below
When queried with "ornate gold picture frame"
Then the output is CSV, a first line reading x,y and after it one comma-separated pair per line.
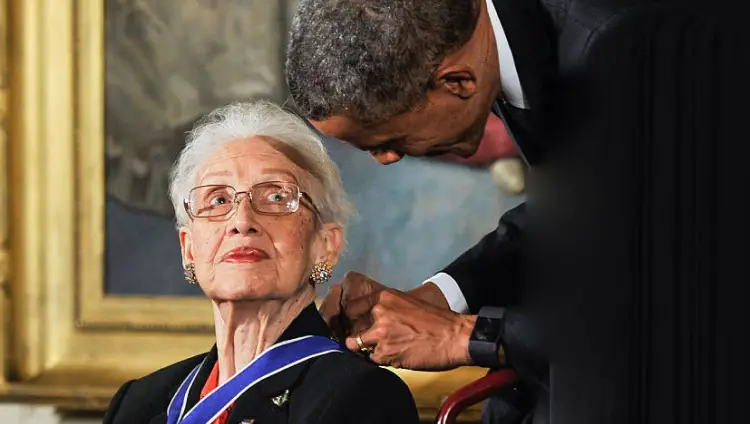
x,y
64,341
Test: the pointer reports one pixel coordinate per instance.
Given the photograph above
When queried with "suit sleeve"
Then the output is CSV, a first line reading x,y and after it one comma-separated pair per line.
x,y
487,274
114,404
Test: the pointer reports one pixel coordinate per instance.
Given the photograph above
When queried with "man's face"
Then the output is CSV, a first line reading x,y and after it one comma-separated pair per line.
x,y
452,117
443,125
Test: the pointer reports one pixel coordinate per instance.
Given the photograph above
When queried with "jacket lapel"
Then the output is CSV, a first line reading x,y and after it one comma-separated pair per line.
x,y
531,44
518,127
194,394
206,361
195,390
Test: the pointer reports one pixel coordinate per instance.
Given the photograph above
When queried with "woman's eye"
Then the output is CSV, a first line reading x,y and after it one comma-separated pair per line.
x,y
276,197
218,200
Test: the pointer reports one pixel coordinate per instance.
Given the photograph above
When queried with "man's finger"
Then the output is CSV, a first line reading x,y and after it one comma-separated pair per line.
x,y
377,358
360,307
354,285
331,305
360,326
367,338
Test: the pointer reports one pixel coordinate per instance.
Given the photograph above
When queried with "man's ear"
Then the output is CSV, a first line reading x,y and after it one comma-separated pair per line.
x,y
332,237
457,80
186,246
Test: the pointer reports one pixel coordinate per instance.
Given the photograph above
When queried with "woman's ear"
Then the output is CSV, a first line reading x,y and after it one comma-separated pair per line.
x,y
186,246
332,237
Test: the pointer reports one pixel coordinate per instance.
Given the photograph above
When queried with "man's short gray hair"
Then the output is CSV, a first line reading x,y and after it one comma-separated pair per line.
x,y
245,120
371,60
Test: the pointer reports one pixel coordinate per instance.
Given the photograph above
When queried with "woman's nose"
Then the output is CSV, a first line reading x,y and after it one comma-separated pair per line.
x,y
244,217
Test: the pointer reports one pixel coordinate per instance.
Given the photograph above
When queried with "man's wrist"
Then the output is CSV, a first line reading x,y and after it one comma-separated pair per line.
x,y
464,328
430,293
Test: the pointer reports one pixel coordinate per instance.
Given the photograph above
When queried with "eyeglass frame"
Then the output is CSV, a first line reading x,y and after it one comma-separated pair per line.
x,y
237,199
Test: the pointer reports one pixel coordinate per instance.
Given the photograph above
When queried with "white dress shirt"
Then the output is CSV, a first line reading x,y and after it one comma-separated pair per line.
x,y
510,83
513,93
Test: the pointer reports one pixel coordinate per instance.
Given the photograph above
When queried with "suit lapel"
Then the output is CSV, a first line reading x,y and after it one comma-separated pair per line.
x,y
200,380
531,45
516,123
194,394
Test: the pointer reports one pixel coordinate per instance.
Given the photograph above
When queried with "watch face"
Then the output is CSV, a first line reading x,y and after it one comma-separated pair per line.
x,y
487,329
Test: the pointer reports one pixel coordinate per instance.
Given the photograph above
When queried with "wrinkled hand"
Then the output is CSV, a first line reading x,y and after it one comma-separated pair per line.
x,y
404,331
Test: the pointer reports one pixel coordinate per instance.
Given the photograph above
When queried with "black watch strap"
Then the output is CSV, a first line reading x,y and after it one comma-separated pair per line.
x,y
486,338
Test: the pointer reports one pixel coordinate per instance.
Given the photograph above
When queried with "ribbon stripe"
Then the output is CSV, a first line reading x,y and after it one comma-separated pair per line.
x,y
176,406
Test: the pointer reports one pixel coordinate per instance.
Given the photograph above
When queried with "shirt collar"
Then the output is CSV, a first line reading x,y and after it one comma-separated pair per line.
x,y
512,91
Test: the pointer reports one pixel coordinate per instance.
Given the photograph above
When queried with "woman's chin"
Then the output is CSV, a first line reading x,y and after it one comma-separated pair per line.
x,y
240,296
240,287
247,294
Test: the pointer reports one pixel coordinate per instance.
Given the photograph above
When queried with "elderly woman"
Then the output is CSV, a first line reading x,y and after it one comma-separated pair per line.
x,y
261,214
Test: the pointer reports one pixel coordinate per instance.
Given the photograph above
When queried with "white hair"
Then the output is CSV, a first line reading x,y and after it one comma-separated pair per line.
x,y
244,120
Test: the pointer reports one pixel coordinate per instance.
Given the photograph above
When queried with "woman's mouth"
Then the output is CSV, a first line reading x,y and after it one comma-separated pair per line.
x,y
245,254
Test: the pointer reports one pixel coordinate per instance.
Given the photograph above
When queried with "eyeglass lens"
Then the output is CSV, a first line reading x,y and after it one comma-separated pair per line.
x,y
269,198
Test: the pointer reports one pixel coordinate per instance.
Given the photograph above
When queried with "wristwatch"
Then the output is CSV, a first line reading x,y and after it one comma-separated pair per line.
x,y
487,337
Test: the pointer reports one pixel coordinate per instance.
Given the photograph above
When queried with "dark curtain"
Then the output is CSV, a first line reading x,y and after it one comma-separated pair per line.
x,y
638,260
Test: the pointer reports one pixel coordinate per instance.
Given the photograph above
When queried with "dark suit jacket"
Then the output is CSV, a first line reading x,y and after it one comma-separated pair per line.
x,y
632,216
552,43
334,388
549,41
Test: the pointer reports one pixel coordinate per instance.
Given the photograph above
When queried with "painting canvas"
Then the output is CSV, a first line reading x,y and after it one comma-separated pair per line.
x,y
168,63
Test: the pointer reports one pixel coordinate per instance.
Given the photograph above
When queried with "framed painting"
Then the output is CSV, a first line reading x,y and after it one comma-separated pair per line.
x,y
96,97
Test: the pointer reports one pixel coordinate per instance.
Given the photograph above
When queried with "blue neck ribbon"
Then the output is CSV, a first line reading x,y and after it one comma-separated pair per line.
x,y
279,357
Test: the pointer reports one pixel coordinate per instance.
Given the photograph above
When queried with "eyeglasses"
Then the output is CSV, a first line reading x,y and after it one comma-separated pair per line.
x,y
268,198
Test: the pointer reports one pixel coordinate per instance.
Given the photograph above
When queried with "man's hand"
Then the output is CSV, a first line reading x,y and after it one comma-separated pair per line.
x,y
406,332
413,330
353,286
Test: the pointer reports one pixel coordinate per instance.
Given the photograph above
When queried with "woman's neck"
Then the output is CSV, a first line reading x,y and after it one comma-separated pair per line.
x,y
245,329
